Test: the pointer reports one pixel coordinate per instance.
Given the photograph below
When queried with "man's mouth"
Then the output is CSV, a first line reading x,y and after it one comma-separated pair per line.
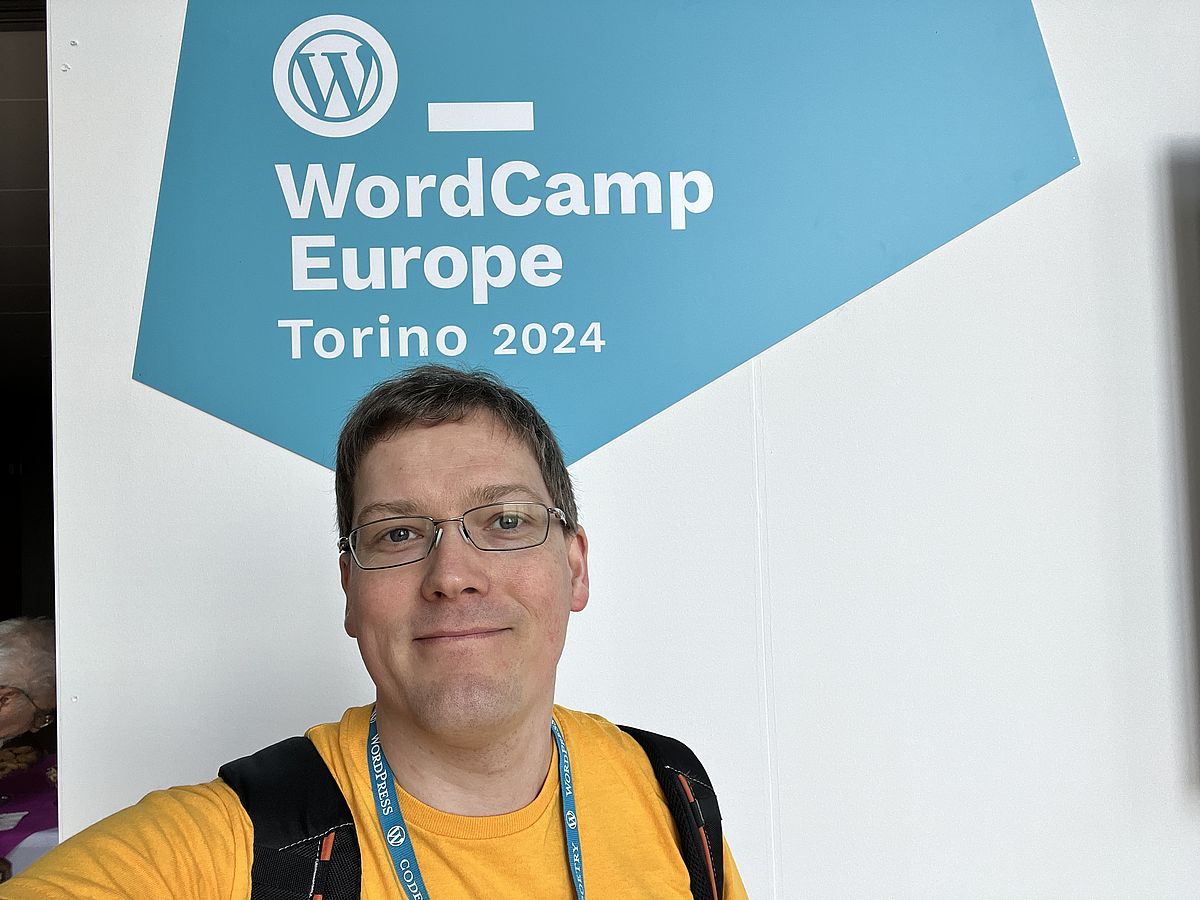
x,y
455,635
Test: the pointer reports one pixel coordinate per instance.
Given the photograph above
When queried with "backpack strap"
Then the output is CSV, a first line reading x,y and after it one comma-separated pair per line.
x,y
299,817
693,806
306,847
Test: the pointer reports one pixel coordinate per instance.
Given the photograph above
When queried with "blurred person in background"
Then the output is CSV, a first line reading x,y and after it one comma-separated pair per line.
x,y
28,764
27,687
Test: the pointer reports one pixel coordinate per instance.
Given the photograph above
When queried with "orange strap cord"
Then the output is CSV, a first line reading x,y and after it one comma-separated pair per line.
x,y
712,878
326,852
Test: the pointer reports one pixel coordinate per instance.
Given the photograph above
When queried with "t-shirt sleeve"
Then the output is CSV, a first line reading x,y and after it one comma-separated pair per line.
x,y
733,889
186,842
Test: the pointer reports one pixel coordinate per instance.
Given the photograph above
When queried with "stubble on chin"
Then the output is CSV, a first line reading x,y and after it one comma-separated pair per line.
x,y
460,704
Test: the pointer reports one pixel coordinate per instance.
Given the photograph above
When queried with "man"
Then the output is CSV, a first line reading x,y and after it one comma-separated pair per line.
x,y
27,693
461,560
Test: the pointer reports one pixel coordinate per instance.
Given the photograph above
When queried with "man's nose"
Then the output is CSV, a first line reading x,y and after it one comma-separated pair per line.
x,y
454,525
454,566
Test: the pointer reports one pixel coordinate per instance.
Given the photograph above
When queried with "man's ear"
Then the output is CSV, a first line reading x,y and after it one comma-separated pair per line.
x,y
345,564
577,548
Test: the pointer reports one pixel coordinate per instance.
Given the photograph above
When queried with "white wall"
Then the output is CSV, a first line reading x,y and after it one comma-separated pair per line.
x,y
935,641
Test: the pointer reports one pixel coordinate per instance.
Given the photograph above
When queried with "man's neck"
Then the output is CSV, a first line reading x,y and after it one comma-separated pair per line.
x,y
469,776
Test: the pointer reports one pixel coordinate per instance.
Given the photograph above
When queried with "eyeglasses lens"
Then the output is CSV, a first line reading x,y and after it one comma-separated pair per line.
x,y
407,539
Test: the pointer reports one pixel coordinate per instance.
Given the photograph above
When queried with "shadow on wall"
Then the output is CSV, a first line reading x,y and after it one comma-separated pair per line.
x,y
1185,214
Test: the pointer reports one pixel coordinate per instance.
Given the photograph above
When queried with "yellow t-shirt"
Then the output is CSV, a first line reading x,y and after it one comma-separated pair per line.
x,y
197,842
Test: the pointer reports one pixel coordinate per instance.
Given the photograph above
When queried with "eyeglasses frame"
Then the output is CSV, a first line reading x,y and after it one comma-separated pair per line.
x,y
345,545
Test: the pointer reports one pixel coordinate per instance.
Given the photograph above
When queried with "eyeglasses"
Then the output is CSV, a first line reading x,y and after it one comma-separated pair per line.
x,y
402,540
41,717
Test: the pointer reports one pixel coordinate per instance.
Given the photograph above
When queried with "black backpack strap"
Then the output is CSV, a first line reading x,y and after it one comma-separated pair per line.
x,y
693,805
305,845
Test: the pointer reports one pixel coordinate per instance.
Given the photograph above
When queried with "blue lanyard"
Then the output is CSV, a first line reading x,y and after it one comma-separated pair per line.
x,y
395,834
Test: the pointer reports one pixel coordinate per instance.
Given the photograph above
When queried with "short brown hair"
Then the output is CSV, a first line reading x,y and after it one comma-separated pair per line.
x,y
430,395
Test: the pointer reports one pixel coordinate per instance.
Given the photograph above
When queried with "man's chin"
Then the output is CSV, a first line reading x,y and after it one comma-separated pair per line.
x,y
462,704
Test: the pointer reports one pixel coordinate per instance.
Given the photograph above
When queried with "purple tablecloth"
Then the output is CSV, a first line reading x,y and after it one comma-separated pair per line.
x,y
29,791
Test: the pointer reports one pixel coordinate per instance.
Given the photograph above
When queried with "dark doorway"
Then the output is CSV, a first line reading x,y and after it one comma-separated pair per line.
x,y
27,535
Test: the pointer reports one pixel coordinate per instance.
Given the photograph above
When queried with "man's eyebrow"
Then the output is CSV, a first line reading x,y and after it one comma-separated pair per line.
x,y
384,508
494,493
481,496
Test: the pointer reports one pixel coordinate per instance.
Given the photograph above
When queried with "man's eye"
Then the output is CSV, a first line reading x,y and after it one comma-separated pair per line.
x,y
398,535
508,521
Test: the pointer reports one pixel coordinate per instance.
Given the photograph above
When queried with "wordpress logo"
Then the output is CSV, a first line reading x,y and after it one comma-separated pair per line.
x,y
396,836
335,76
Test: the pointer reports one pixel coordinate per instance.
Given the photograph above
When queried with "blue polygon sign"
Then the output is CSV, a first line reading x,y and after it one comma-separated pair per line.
x,y
609,205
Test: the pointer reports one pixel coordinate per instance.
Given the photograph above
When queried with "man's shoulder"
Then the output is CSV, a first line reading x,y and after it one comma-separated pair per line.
x,y
342,744
645,810
600,733
594,730
187,841
350,726
598,743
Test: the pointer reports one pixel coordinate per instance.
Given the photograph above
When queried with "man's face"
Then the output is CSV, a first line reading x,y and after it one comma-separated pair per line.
x,y
464,640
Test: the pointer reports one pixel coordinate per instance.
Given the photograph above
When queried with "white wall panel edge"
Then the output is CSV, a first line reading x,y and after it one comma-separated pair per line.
x,y
675,625
765,599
